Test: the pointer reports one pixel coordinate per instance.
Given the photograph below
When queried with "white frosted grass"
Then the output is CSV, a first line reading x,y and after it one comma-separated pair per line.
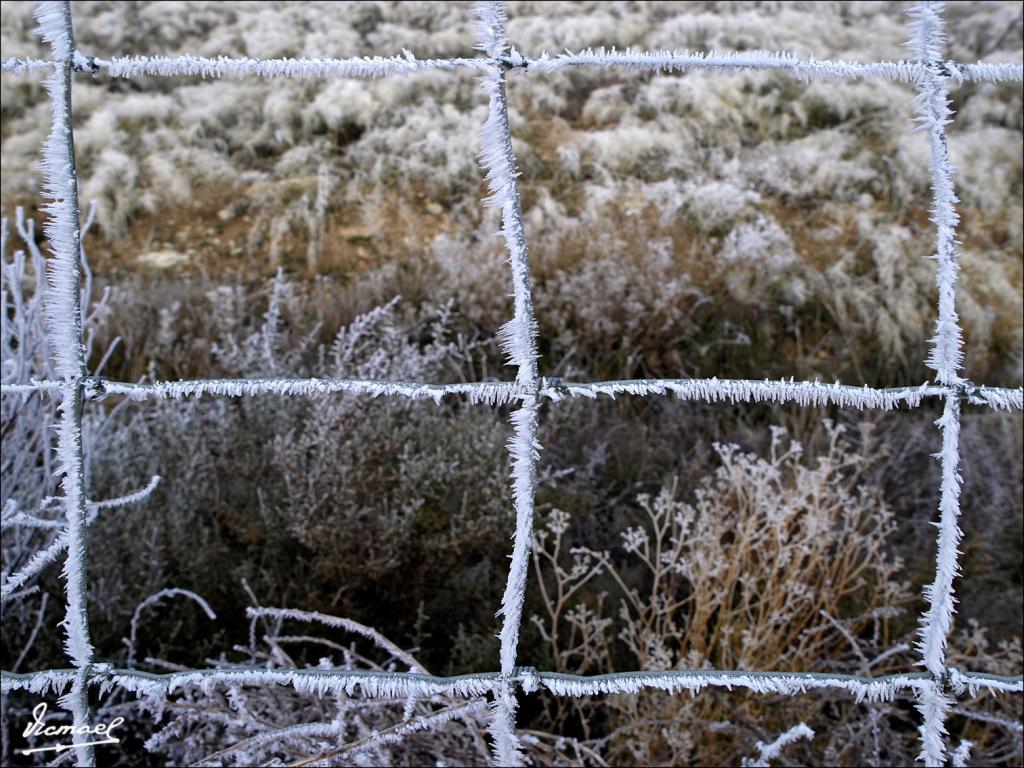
x,y
131,498
242,750
428,722
152,600
50,554
958,757
983,717
339,623
768,752
35,565
13,518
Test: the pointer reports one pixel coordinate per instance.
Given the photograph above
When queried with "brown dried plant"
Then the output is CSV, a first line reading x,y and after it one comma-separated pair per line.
x,y
777,564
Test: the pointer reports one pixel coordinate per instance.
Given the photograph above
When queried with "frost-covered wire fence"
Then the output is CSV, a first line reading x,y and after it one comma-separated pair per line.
x,y
935,688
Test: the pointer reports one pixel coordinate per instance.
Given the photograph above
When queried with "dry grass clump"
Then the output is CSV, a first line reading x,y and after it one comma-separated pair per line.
x,y
777,564
253,725
798,210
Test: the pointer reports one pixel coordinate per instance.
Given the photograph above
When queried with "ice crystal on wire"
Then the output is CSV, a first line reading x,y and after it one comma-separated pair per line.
x,y
518,340
49,554
934,115
946,357
63,311
305,69
53,28
59,186
941,602
489,20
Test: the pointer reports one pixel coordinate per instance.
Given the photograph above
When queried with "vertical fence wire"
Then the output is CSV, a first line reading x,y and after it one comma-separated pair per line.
x,y
64,326
927,41
518,340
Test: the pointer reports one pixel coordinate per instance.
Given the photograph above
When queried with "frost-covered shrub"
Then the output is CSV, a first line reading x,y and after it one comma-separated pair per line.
x,y
705,154
347,490
242,725
764,250
713,204
614,303
379,482
777,563
32,520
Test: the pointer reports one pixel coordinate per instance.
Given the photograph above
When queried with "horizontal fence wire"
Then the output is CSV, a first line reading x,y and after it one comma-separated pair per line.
x,y
803,393
659,61
371,684
934,689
